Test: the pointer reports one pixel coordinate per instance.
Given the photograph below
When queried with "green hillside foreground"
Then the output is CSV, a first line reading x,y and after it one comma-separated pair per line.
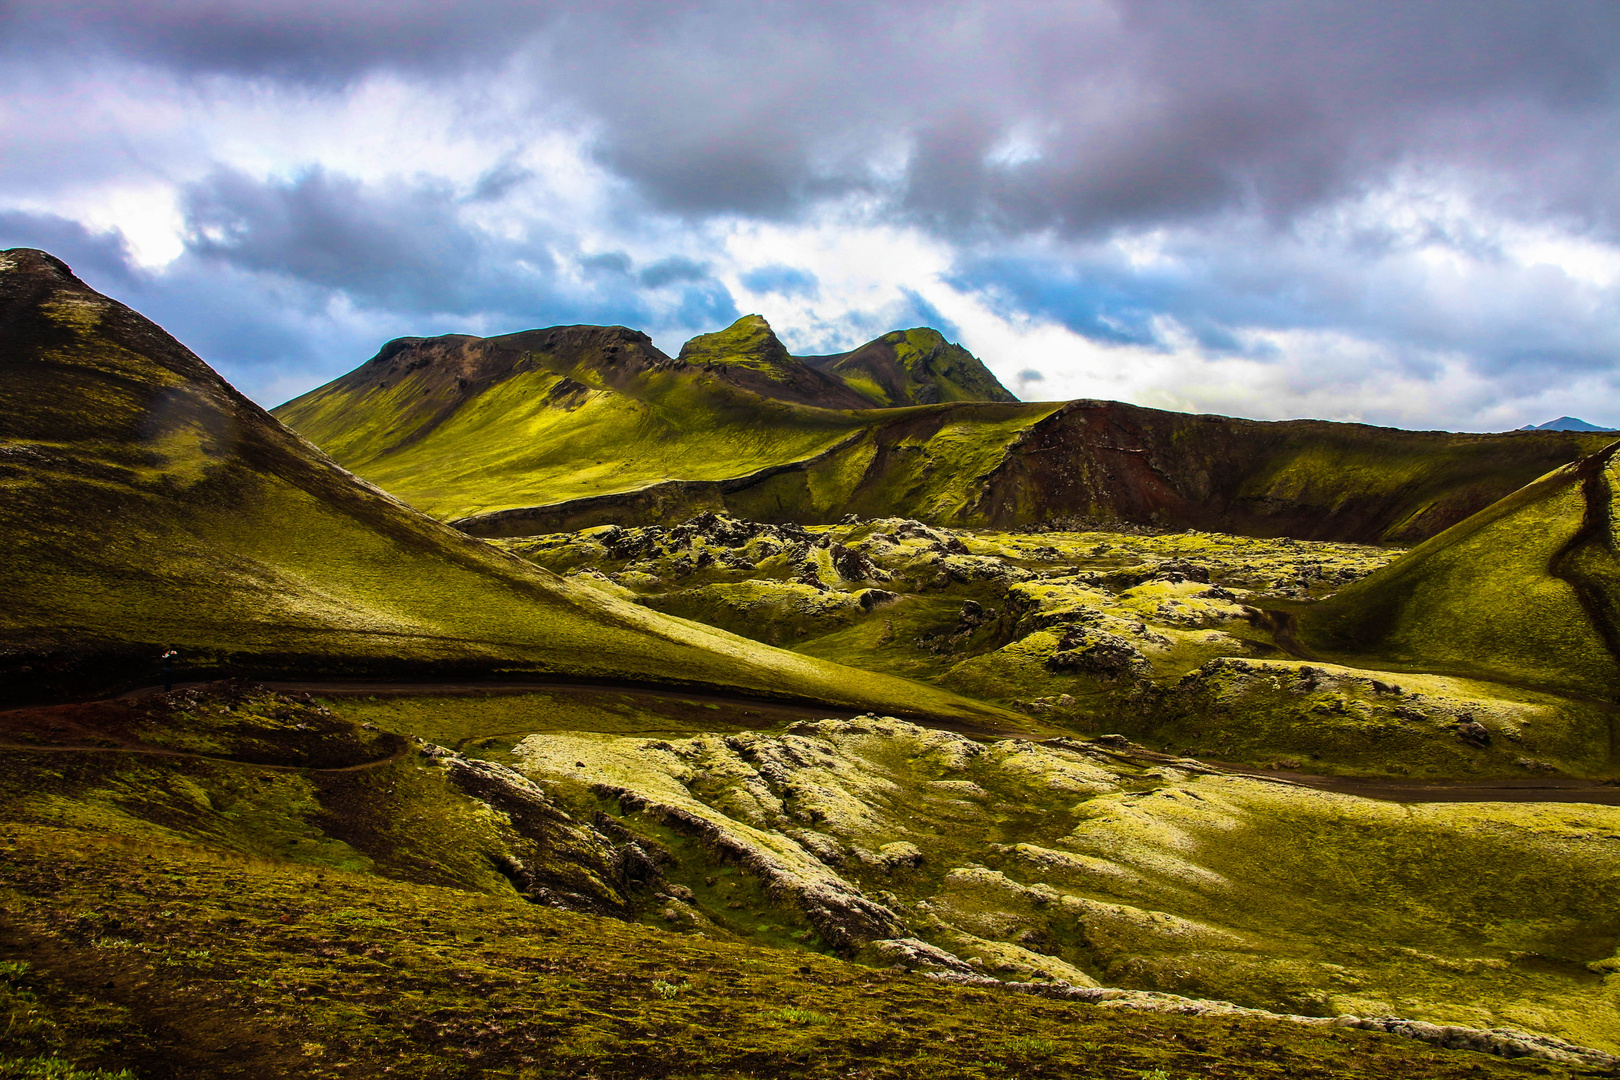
x,y
1525,592
148,505
231,882
571,427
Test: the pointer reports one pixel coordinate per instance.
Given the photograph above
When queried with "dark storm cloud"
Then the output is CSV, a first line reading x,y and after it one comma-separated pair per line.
x,y
400,245
102,257
674,269
1085,118
311,40
1081,117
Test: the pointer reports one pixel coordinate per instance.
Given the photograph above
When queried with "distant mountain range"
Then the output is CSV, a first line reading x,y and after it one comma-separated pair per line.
x,y
1565,423
570,427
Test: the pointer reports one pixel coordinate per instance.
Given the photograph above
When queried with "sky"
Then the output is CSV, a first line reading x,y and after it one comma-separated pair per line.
x,y
1399,212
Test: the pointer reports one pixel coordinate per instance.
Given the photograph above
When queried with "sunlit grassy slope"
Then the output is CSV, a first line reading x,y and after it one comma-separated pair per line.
x,y
146,504
1523,591
571,427
467,425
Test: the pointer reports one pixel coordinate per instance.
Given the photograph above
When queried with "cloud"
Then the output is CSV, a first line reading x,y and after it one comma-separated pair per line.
x,y
1119,113
402,245
1315,202
97,257
674,269
782,280
304,40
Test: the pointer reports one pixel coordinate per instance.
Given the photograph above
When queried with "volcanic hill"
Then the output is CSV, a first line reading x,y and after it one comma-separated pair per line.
x,y
571,427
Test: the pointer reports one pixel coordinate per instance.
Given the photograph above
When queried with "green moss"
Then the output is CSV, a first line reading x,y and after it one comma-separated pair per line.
x,y
1483,598
454,984
364,918
1042,859
748,342
776,612
1371,722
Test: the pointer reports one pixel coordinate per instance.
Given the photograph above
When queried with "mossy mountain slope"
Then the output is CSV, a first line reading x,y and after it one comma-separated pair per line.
x,y
571,427
1526,591
913,367
147,504
748,354
1081,464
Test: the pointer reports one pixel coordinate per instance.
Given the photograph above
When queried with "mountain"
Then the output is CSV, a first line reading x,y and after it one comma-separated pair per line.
x,y
913,367
748,355
570,427
147,504
1564,423
1526,591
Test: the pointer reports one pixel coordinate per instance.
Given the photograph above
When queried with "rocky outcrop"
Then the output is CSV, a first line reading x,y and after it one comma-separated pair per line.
x,y
555,860
913,954
747,354
844,917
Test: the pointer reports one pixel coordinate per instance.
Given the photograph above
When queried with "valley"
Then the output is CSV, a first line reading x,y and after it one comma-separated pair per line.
x,y
591,711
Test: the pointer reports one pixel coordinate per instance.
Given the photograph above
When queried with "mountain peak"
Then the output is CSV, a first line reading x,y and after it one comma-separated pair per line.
x,y
748,342
919,366
1565,423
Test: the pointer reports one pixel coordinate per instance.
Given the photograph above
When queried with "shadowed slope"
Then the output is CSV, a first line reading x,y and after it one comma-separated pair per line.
x,y
1524,591
147,504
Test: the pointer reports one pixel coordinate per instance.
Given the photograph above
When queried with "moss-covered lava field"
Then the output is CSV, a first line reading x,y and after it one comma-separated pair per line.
x,y
738,714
